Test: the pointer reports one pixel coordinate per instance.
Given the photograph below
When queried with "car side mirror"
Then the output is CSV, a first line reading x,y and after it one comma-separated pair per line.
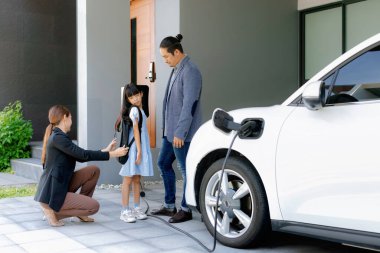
x,y
313,95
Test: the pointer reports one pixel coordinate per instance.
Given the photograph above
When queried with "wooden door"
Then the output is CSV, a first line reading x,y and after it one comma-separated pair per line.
x,y
142,20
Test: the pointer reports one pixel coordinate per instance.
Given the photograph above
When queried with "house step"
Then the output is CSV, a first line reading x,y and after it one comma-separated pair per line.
x,y
36,147
31,168
28,168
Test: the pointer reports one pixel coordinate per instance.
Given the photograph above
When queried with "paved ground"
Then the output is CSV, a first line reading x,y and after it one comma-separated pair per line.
x,y
10,180
22,230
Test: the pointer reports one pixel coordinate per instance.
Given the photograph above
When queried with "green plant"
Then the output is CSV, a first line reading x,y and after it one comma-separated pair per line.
x,y
8,170
15,134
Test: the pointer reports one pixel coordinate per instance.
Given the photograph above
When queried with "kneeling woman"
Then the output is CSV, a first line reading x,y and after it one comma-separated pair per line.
x,y
59,182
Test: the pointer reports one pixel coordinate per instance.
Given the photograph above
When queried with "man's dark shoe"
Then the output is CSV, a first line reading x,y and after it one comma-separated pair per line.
x,y
181,216
164,211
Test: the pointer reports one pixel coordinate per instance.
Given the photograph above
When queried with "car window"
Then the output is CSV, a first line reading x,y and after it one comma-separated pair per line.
x,y
359,80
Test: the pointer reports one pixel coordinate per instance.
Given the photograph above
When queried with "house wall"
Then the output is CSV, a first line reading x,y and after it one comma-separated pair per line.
x,y
103,67
38,58
208,36
166,24
306,4
246,50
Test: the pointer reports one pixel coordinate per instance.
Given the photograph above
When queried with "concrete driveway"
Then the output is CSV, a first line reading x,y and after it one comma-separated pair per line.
x,y
22,230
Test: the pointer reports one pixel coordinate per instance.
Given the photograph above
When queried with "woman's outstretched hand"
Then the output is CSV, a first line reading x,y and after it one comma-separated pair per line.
x,y
122,151
110,146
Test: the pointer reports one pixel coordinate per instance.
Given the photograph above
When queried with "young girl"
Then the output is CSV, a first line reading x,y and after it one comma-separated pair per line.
x,y
139,162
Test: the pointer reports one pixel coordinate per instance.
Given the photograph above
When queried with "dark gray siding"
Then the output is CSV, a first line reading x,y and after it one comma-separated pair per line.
x,y
247,50
38,57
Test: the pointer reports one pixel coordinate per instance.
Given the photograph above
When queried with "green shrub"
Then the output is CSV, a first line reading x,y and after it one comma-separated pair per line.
x,y
15,134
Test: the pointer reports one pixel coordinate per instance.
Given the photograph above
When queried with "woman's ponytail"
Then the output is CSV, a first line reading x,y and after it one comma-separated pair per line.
x,y
48,132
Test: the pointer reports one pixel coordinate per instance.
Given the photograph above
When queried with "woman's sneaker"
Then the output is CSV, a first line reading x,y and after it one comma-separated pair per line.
x,y
127,216
139,214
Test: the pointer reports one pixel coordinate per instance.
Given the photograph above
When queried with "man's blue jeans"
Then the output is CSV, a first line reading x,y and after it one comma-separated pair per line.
x,y
166,158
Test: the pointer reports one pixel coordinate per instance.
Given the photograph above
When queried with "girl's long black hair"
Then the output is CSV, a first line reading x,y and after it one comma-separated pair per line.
x,y
130,89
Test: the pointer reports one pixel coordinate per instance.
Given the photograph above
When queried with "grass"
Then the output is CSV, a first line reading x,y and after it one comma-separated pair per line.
x,y
21,191
8,170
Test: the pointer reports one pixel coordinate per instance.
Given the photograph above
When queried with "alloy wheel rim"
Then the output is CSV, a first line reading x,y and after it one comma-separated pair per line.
x,y
236,205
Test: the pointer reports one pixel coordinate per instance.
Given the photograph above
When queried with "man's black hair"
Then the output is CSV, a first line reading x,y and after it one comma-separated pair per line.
x,y
172,43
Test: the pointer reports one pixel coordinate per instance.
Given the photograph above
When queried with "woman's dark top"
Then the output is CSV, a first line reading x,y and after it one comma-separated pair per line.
x,y
61,156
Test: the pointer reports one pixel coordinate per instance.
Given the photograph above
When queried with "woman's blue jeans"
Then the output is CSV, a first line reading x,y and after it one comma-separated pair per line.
x,y
167,155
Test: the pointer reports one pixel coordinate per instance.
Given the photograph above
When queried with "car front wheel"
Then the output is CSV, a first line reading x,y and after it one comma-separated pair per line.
x,y
242,213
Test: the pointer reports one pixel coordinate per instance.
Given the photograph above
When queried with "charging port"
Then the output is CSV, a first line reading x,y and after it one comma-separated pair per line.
x,y
252,128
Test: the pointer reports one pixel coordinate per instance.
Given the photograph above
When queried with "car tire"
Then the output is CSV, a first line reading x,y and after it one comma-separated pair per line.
x,y
243,217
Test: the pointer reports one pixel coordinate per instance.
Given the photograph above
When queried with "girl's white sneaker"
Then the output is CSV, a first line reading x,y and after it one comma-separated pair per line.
x,y
139,214
128,216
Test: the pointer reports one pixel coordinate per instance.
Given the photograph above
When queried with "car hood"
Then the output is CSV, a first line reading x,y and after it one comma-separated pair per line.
x,y
273,117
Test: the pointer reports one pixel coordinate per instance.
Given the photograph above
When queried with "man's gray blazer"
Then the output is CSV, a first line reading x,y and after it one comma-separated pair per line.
x,y
183,110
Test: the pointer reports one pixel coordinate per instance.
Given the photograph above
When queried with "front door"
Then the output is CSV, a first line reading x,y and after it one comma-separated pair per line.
x,y
142,29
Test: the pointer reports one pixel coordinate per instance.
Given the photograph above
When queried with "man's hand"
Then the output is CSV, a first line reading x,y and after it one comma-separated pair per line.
x,y
177,142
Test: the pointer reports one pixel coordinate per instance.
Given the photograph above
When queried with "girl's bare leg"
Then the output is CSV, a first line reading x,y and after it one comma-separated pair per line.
x,y
136,189
125,190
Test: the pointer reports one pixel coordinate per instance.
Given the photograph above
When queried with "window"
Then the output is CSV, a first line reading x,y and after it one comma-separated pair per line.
x,y
359,80
331,30
362,21
323,39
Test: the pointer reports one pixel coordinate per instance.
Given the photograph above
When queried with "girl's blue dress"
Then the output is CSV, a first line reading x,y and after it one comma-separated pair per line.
x,y
145,168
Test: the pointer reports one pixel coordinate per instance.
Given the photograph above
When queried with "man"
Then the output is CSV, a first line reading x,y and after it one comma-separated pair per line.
x,y
181,119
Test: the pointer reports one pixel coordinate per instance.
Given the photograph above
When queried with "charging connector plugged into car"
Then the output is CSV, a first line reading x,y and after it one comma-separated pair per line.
x,y
250,128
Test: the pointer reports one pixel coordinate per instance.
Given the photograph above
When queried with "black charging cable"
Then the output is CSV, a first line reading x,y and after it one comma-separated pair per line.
x,y
142,194
174,227
219,188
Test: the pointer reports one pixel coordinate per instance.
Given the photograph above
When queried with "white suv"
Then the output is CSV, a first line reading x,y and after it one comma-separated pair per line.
x,y
310,166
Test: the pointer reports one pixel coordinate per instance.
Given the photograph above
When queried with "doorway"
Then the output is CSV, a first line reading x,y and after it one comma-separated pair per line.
x,y
142,55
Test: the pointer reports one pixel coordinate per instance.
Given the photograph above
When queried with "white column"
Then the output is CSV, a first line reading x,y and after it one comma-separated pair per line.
x,y
82,73
103,66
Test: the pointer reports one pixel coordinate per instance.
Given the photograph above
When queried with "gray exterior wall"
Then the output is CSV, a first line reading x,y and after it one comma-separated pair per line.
x,y
38,57
166,24
103,68
246,50
255,51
